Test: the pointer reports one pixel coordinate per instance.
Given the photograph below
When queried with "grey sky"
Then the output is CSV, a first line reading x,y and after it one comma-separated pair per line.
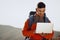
x,y
15,12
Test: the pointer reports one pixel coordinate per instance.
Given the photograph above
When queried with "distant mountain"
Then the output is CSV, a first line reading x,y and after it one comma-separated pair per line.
x,y
10,33
56,34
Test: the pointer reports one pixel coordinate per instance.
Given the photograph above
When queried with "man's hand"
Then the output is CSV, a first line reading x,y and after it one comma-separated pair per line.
x,y
43,34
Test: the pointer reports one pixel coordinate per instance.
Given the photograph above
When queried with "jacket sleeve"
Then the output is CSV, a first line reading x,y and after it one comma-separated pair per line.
x,y
25,30
49,36
30,33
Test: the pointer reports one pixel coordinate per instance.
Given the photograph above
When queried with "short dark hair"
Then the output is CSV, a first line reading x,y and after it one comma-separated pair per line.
x,y
41,5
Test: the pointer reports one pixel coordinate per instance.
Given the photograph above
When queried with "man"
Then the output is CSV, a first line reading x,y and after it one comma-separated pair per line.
x,y
39,16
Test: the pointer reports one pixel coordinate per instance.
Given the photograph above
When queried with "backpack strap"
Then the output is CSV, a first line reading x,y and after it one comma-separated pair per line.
x,y
47,20
31,21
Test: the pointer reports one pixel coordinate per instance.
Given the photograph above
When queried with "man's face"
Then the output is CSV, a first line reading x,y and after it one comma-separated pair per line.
x,y
40,11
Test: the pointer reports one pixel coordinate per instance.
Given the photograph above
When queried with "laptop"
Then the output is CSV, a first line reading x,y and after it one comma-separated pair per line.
x,y
44,28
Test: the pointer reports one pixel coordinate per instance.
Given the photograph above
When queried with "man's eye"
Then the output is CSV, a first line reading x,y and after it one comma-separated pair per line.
x,y
39,11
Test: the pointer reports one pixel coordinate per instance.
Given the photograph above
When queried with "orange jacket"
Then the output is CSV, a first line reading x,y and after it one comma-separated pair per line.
x,y
31,33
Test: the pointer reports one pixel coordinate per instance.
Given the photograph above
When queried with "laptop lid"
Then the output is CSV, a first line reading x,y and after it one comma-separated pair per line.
x,y
44,28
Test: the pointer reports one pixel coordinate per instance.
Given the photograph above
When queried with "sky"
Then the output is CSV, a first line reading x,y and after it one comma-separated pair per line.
x,y
16,12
